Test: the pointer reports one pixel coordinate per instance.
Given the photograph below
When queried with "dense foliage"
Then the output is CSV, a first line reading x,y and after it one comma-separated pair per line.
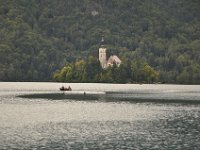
x,y
90,70
37,37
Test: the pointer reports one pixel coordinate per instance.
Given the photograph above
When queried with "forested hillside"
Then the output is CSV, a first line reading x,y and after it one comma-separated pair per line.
x,y
38,37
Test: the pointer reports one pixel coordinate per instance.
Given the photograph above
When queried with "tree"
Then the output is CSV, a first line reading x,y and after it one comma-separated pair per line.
x,y
39,36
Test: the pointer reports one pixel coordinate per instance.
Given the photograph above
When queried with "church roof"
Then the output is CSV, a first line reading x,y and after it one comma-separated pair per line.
x,y
114,59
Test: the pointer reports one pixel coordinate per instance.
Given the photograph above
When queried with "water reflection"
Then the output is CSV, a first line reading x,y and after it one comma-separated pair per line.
x,y
175,97
47,120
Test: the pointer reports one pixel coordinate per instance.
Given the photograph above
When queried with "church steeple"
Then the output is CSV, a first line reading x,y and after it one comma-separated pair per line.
x,y
102,54
102,41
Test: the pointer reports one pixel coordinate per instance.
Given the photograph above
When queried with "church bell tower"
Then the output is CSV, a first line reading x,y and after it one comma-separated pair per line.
x,y
102,55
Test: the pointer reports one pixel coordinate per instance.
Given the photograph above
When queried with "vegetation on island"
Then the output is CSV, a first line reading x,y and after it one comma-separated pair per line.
x,y
90,70
39,37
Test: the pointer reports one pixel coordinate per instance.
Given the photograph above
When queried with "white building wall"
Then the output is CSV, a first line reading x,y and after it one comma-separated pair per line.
x,y
102,57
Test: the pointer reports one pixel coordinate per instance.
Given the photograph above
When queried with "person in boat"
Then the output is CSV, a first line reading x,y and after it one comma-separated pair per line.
x,y
62,88
69,88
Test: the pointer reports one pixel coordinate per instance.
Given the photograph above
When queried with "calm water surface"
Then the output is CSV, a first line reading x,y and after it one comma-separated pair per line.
x,y
38,116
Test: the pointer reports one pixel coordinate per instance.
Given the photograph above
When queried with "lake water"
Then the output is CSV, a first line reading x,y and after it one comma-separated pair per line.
x,y
128,116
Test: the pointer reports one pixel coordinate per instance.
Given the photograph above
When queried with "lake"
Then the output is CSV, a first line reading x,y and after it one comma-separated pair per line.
x,y
128,116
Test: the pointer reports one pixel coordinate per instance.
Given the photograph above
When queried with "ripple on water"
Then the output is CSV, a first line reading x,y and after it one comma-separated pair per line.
x,y
69,124
178,129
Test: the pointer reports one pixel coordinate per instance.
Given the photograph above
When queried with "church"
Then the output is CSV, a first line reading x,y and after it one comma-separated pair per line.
x,y
103,57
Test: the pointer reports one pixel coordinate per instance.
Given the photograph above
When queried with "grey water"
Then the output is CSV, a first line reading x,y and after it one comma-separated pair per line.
x,y
128,116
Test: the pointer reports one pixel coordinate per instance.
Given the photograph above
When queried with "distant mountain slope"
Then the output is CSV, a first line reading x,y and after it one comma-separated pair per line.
x,y
37,37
